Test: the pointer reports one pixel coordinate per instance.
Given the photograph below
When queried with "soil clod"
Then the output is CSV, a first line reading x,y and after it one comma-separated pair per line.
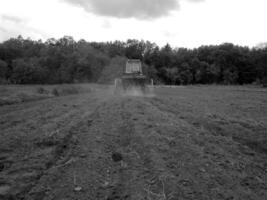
x,y
116,157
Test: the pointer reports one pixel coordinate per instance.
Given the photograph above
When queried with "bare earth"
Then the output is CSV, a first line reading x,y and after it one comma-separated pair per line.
x,y
181,143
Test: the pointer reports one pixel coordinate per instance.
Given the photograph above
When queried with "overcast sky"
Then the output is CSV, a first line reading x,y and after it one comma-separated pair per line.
x,y
182,23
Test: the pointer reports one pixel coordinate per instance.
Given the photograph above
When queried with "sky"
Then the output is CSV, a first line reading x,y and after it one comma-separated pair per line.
x,y
181,23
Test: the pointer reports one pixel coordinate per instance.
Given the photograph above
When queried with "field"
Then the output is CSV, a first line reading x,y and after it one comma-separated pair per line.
x,y
85,143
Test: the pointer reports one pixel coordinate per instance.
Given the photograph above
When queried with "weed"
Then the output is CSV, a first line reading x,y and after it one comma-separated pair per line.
x,y
41,90
69,90
55,92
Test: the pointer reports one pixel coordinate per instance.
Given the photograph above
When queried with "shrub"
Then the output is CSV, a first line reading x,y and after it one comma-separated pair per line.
x,y
264,82
69,90
3,69
41,90
3,81
55,92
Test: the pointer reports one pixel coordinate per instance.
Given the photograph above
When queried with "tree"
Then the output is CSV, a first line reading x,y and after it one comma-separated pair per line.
x,y
3,69
185,75
135,49
28,72
170,75
65,60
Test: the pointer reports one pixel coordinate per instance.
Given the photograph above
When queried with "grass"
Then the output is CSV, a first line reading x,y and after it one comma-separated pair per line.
x,y
237,112
12,94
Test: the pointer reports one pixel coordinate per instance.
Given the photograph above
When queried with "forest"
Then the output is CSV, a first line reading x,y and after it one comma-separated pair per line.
x,y
64,60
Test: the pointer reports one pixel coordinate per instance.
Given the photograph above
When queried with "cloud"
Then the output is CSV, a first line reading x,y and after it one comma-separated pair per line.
x,y
195,0
106,24
3,30
12,18
12,26
141,9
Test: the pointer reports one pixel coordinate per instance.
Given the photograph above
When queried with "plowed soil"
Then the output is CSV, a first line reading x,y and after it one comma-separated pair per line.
x,y
180,143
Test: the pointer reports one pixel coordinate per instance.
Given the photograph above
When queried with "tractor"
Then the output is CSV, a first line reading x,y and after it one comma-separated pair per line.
x,y
132,78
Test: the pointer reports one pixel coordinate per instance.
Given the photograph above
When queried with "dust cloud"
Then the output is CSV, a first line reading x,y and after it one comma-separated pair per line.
x,y
137,92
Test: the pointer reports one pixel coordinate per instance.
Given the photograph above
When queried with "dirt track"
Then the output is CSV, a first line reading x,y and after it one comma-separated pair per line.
x,y
183,143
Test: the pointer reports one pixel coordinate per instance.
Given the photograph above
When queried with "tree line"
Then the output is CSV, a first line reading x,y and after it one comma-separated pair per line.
x,y
25,61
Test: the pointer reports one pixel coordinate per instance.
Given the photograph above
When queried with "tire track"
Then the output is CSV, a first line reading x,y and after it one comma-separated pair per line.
x,y
37,154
